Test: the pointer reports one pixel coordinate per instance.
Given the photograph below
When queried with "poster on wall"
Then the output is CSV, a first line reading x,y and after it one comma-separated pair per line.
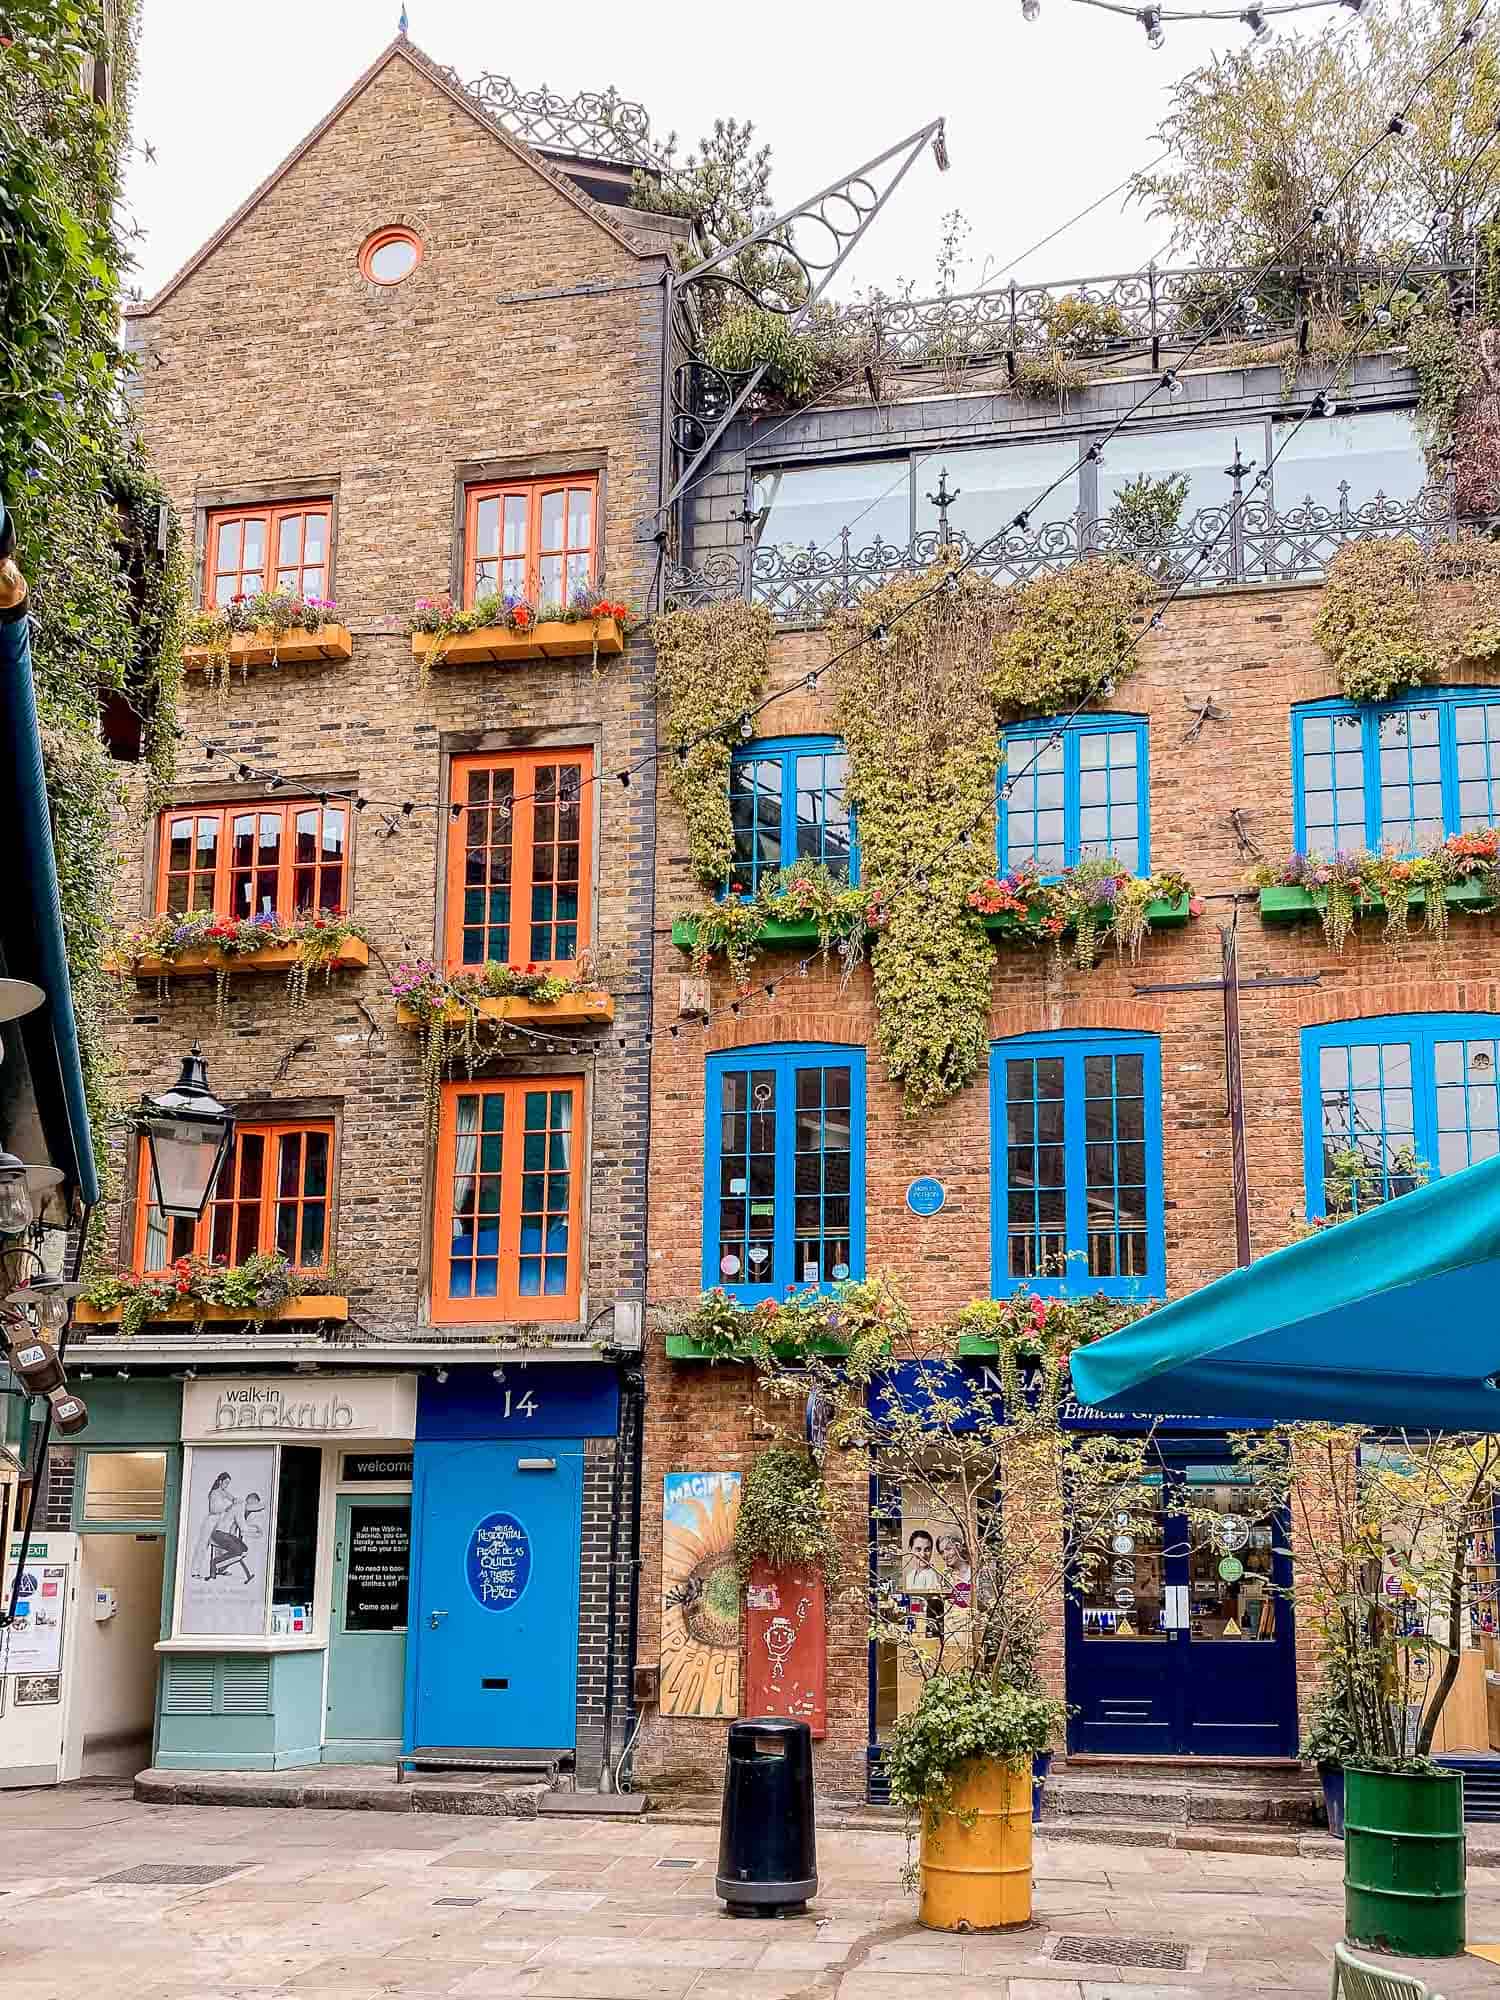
x,y
33,1644
379,1559
700,1594
228,1542
786,1650
936,1587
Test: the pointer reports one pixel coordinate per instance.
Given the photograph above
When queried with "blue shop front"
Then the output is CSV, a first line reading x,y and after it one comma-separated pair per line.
x,y
516,1506
1175,1644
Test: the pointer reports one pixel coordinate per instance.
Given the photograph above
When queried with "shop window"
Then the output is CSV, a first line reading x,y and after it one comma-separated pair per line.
x,y
536,539
250,1541
272,1196
509,1200
1393,1101
519,856
788,802
123,1488
1077,792
246,861
252,549
784,1183
1076,1178
1400,776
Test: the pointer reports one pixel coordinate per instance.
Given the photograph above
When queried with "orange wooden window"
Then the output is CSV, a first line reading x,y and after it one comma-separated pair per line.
x,y
536,539
268,548
518,873
509,1200
255,859
272,1195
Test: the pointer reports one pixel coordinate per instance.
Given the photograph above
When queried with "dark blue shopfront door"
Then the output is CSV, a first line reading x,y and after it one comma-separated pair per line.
x,y
1180,1641
494,1595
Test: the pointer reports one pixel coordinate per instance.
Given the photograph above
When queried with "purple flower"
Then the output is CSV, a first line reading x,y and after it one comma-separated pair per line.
x,y
263,917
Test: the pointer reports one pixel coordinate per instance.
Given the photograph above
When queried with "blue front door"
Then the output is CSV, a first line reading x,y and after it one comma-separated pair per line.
x,y
1180,1641
494,1596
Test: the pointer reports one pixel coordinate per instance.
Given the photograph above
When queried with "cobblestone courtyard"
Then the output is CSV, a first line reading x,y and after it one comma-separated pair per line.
x,y
360,1904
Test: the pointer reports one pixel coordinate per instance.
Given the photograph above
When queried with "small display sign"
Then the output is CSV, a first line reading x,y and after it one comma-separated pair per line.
x,y
499,1561
926,1195
374,1468
377,1570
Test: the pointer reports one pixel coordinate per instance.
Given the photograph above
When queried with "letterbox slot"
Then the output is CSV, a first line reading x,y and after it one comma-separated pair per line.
x,y
494,1684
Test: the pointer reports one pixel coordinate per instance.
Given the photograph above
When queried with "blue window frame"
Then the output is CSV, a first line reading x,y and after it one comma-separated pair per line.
x,y
1076,1189
788,801
784,1179
1401,775
1080,797
1414,1093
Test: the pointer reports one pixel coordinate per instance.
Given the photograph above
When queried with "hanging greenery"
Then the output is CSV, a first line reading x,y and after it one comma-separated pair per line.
x,y
711,667
915,711
1062,636
785,1515
1391,620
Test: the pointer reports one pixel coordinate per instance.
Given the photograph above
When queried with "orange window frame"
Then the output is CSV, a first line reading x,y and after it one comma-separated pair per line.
x,y
286,867
266,1197
271,572
508,1301
533,495
533,825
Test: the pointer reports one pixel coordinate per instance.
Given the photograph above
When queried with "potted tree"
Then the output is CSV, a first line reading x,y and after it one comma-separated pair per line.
x,y
1391,1529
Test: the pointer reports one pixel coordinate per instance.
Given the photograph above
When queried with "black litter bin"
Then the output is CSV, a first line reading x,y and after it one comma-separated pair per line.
x,y
768,1861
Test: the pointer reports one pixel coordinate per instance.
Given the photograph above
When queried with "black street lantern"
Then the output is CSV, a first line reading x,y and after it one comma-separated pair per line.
x,y
187,1135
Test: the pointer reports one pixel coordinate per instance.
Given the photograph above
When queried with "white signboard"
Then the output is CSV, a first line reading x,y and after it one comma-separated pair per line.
x,y
33,1645
298,1407
227,1529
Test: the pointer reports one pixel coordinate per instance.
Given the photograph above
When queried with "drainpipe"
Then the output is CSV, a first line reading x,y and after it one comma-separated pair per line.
x,y
632,1390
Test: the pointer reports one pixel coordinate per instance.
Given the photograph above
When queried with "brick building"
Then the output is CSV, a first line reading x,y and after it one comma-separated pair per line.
x,y
1227,743
424,357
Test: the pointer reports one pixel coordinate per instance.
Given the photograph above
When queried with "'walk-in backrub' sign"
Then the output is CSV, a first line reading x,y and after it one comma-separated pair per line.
x,y
498,1564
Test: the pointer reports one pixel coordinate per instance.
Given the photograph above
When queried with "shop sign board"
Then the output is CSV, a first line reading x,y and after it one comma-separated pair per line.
x,y
294,1407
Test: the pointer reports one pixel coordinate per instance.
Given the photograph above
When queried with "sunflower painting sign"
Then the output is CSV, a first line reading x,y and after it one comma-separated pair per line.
x,y
700,1595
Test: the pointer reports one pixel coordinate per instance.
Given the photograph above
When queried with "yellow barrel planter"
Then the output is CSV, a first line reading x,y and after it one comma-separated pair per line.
x,y
975,1861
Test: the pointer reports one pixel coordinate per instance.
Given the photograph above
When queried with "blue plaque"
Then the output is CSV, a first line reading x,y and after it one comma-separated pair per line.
x,y
926,1196
498,1564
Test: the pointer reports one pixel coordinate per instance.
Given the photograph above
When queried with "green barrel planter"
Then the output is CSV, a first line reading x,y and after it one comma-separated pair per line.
x,y
1404,1862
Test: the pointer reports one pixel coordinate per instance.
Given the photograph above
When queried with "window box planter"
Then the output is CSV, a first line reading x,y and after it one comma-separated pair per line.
x,y
331,1307
497,645
1161,916
574,1010
351,954
682,1347
1290,905
263,649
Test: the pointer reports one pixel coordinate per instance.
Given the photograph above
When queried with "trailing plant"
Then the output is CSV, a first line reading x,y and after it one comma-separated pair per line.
x,y
449,1007
731,927
257,1288
277,613
1391,618
1031,1327
711,668
785,1515
317,941
858,1318
1093,902
1063,638
1349,886
509,611
963,1718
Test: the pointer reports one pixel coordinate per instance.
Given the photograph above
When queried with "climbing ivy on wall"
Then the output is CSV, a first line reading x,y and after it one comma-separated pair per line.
x,y
711,667
1391,620
1061,636
106,601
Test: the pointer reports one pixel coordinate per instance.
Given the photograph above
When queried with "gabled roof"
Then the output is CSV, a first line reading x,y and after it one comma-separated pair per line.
x,y
403,50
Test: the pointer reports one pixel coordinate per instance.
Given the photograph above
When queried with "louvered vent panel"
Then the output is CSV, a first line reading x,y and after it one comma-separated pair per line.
x,y
188,1685
245,1684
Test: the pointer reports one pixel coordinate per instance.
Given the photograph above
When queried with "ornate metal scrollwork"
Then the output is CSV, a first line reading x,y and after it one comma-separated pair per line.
x,y
595,125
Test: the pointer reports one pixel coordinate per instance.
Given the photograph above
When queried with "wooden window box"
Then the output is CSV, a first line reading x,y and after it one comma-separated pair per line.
x,y
1289,905
293,649
574,1010
352,953
332,1307
498,646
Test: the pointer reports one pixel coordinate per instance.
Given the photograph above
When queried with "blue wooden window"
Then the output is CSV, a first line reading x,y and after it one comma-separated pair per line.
x,y
1401,775
1075,799
784,1181
788,801
1415,1094
1076,1192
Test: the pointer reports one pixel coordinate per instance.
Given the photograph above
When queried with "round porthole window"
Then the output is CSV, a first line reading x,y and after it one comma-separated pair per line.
x,y
390,255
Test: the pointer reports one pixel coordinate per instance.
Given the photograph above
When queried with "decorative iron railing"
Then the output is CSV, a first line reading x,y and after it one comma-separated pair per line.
x,y
1217,546
595,125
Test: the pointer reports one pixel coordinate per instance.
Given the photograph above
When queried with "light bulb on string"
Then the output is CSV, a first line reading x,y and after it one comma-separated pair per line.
x,y
1030,9
1256,22
1172,385
1150,20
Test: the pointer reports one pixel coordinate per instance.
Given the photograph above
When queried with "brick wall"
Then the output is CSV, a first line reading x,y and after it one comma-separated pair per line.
x,y
1253,652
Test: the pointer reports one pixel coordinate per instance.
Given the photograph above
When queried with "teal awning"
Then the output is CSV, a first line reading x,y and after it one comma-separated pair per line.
x,y
1390,1318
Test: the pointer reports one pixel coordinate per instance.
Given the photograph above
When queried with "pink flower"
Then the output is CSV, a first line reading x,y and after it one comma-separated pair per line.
x,y
1195,906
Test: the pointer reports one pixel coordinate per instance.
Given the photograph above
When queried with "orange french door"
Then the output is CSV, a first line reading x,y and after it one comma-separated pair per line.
x,y
508,1213
519,859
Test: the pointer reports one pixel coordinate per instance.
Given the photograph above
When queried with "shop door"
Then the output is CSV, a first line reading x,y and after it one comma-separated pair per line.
x,y
1177,1645
367,1636
495,1596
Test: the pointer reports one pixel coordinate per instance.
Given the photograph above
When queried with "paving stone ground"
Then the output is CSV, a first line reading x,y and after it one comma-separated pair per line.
x,y
353,1905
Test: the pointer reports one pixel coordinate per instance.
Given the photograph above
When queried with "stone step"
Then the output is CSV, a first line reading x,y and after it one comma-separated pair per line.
x,y
1070,1795
1197,1770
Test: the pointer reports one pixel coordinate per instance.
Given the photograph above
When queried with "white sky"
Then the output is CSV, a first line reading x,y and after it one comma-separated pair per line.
x,y
1042,117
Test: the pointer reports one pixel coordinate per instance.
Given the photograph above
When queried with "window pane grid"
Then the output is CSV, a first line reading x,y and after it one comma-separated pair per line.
x,y
508,1201
556,859
272,1197
286,861
1035,1176
1115,1166
518,861
755,808
546,1193
824,830
1080,798
1368,1109
820,1179
537,540
1399,778
1411,779
270,548
788,802
747,1176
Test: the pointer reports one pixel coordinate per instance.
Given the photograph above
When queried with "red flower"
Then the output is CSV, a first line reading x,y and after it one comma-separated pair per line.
x,y
520,617
530,967
239,597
